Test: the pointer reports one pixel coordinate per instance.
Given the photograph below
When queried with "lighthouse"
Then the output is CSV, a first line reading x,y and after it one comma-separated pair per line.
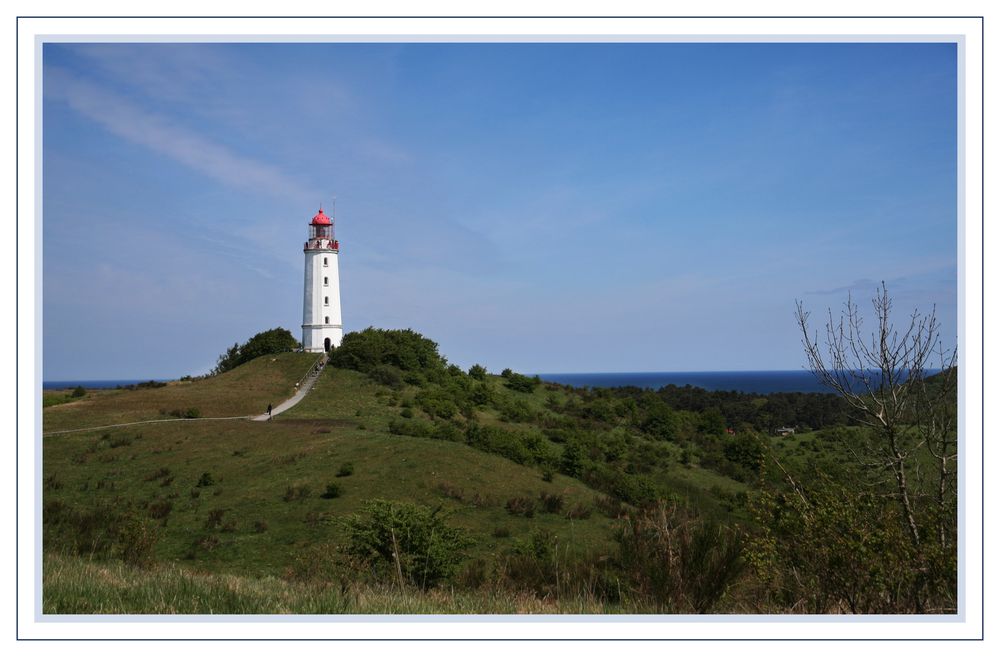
x,y
321,324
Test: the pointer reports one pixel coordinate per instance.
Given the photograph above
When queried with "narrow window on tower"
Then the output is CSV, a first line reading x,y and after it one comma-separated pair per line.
x,y
326,301
326,281
327,320
324,262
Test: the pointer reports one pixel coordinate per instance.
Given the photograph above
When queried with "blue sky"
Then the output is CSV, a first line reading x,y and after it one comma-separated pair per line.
x,y
544,207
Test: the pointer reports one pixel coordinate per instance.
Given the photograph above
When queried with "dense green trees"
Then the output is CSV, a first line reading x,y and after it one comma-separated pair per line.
x,y
274,341
404,349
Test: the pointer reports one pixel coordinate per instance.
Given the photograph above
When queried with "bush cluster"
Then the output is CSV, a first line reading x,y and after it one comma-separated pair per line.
x,y
107,531
405,350
398,540
274,341
522,447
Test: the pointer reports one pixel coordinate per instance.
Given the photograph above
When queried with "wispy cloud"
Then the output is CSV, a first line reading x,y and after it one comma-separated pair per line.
x,y
164,72
159,134
865,284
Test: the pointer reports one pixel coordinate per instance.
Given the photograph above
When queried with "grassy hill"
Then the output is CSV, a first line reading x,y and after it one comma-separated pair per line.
x,y
247,498
566,500
243,391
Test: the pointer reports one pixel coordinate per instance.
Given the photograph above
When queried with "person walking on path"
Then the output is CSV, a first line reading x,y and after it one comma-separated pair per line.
x,y
268,411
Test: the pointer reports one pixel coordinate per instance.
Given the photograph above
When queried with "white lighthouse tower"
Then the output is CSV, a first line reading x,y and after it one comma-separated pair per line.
x,y
321,324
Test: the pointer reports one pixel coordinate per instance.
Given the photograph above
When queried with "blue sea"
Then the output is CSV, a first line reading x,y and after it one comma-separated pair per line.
x,y
762,382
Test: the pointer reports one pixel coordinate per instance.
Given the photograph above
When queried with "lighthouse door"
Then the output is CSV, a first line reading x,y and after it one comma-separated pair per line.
x,y
326,344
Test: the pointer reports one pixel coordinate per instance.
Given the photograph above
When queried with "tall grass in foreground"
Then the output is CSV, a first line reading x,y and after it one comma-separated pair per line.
x,y
74,585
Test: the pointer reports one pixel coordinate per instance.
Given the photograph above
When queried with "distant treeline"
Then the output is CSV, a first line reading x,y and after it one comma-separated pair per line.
x,y
739,410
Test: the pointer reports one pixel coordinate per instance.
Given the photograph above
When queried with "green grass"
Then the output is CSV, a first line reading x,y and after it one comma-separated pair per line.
x,y
253,465
56,397
72,585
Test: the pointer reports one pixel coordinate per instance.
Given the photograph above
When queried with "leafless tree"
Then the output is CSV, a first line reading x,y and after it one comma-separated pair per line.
x,y
884,379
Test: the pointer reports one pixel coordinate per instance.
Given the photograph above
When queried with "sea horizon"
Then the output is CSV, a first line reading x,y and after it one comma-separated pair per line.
x,y
747,381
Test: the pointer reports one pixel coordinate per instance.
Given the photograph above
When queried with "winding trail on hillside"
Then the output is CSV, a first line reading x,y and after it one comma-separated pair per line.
x,y
304,385
129,424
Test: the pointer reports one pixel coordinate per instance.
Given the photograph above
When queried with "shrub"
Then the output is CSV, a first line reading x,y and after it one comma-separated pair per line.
x,y
120,441
579,512
661,422
834,547
518,446
481,395
346,469
387,375
551,502
521,506
214,519
78,391
299,492
747,450
638,490
447,431
205,480
521,383
450,490
516,410
157,474
404,541
417,428
160,509
189,413
478,372
415,379
678,562
437,402
332,491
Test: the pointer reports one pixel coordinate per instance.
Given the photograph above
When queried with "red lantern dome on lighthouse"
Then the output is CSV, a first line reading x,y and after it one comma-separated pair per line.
x,y
321,233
